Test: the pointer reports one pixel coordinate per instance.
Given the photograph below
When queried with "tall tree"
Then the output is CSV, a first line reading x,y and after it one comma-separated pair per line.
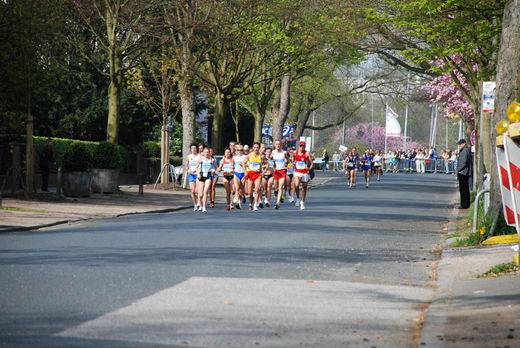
x,y
236,51
28,31
460,33
187,26
508,75
117,27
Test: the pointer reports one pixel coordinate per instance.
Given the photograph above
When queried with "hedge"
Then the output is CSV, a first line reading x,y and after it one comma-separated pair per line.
x,y
151,149
62,144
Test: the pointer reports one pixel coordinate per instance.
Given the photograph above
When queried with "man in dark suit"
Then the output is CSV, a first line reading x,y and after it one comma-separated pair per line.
x,y
464,171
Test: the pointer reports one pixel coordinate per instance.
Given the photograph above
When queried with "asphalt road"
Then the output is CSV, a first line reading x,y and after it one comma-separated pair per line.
x,y
353,269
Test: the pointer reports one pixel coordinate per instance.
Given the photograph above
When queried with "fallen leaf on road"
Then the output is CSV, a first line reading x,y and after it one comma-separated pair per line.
x,y
310,281
227,302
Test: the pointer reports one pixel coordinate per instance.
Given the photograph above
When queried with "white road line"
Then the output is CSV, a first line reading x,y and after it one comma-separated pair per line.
x,y
237,312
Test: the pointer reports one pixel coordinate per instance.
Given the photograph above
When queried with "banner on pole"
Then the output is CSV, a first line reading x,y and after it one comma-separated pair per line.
x,y
268,131
393,128
488,96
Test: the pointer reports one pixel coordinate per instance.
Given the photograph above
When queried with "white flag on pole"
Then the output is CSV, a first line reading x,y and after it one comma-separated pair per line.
x,y
393,128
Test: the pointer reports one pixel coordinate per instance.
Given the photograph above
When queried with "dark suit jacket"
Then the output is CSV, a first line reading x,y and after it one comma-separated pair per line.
x,y
464,163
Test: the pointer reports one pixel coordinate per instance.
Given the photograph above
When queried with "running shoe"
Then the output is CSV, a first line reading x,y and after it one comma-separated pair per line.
x,y
284,195
291,199
267,204
276,206
302,206
232,206
199,208
297,202
255,207
228,208
367,185
250,207
243,199
261,205
212,204
203,209
195,208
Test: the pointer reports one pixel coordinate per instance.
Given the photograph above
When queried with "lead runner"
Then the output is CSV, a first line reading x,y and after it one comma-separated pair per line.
x,y
302,164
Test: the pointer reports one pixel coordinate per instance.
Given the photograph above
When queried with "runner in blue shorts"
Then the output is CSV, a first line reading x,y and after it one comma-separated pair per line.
x,y
191,168
367,166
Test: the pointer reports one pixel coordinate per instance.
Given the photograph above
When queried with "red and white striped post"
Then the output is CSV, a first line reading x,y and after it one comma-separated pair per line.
x,y
505,185
508,161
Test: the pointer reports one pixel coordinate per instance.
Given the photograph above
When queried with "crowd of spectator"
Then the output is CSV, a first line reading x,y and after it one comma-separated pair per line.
x,y
413,160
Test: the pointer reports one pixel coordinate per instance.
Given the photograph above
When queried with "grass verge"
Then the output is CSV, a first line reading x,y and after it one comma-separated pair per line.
x,y
501,270
466,237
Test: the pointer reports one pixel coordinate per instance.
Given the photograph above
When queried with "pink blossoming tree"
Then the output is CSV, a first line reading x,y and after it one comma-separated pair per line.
x,y
361,135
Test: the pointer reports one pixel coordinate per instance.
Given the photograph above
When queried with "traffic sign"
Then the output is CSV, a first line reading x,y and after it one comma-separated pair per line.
x,y
472,138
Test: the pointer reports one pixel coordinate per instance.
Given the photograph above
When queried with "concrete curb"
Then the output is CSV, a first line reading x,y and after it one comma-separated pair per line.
x,y
436,315
67,221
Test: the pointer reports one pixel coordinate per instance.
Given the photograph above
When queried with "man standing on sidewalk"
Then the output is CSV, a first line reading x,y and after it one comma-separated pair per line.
x,y
464,170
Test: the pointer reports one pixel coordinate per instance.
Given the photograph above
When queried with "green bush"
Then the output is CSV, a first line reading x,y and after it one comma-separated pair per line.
x,y
127,158
151,149
77,158
176,160
106,156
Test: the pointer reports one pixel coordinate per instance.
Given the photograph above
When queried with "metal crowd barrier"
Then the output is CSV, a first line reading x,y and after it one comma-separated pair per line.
x,y
398,166
430,166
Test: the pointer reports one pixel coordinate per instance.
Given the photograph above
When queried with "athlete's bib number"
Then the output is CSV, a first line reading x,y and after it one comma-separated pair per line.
x,y
227,167
254,166
206,167
280,164
300,165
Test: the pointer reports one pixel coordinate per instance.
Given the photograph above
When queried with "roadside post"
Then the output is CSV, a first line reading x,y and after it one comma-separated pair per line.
x,y
509,169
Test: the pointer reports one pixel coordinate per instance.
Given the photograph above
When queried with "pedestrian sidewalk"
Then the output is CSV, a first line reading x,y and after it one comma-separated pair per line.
x,y
473,312
46,209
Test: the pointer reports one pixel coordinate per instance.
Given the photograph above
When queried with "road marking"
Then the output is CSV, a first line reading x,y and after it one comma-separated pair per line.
x,y
237,312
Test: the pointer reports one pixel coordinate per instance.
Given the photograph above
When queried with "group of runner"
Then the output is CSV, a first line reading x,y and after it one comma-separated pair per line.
x,y
254,172
369,162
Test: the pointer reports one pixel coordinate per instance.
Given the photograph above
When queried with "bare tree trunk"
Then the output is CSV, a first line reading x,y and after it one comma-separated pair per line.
x,y
188,114
221,109
302,120
259,123
285,104
114,90
507,77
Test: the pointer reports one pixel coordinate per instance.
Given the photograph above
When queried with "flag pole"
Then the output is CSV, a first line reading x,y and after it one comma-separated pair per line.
x,y
386,125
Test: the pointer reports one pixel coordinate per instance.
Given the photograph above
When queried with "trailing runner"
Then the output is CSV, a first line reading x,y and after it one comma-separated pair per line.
x,y
238,165
280,171
267,175
206,165
351,169
290,175
214,179
377,164
191,169
226,166
367,166
303,163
